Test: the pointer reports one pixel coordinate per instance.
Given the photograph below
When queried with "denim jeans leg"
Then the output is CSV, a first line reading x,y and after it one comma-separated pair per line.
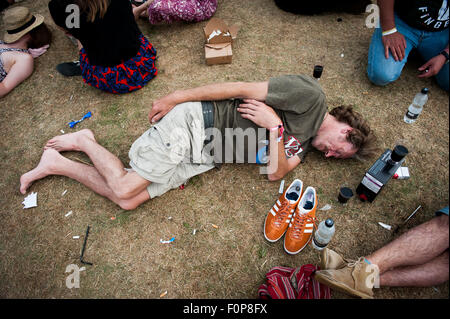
x,y
442,77
430,46
382,71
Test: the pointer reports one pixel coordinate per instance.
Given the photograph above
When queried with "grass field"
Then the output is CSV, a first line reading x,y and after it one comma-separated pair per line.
x,y
230,261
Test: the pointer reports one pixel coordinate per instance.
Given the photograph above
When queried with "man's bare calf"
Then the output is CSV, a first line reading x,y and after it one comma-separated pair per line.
x,y
107,177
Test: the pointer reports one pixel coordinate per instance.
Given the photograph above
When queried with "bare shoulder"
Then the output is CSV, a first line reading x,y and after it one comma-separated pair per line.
x,y
23,61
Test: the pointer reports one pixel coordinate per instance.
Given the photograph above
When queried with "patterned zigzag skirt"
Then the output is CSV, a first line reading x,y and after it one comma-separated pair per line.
x,y
126,77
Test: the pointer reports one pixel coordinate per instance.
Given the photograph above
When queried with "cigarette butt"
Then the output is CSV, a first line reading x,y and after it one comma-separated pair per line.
x,y
64,193
76,237
82,268
68,214
215,226
62,131
195,230
163,294
281,189
113,218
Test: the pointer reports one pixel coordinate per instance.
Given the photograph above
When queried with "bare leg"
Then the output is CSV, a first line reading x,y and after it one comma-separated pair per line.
x,y
125,185
434,272
53,163
416,247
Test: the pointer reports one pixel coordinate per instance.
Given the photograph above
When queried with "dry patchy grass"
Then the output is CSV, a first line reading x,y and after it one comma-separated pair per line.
x,y
36,245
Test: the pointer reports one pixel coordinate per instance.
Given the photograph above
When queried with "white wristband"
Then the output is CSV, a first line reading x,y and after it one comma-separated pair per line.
x,y
388,32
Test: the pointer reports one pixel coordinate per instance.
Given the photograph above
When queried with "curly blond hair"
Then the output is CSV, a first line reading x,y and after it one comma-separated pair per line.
x,y
361,136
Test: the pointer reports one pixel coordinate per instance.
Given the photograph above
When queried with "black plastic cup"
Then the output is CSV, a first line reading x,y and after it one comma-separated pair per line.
x,y
399,153
318,69
345,194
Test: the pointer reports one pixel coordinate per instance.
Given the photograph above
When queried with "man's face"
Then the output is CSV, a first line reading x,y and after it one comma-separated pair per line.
x,y
334,143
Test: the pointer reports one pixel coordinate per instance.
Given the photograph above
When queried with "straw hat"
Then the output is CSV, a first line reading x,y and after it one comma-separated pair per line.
x,y
18,21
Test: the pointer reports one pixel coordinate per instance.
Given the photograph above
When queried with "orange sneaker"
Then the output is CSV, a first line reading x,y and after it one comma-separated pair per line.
x,y
301,227
280,214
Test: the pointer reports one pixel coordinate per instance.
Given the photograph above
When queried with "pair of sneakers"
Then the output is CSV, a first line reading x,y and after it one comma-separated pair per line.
x,y
293,214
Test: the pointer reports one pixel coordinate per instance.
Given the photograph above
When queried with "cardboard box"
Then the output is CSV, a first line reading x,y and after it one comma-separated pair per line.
x,y
220,53
218,41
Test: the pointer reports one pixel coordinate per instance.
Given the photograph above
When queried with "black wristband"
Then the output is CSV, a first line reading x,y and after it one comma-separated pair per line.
x,y
444,53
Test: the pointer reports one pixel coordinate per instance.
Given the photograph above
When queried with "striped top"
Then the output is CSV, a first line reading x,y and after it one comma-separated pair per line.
x,y
3,73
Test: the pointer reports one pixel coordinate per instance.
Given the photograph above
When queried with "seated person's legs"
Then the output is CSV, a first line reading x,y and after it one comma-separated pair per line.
x,y
431,45
382,71
419,257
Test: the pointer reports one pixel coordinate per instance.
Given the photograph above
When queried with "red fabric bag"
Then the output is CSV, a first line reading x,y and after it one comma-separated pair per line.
x,y
293,283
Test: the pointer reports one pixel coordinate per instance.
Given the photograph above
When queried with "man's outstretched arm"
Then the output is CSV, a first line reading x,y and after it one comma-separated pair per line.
x,y
211,92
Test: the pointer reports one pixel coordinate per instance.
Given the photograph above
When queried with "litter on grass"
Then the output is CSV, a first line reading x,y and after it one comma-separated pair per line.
x,y
281,189
64,193
163,294
167,241
76,237
326,207
194,231
215,226
73,123
388,227
30,201
68,214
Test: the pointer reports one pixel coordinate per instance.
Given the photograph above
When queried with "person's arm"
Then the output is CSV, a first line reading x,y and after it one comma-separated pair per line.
x,y
393,41
433,66
279,165
137,11
212,92
264,116
21,69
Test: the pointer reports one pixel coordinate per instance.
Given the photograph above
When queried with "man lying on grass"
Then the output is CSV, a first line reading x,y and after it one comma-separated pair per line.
x,y
272,122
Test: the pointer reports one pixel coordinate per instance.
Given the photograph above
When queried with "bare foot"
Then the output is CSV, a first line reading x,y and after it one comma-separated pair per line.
x,y
68,142
45,167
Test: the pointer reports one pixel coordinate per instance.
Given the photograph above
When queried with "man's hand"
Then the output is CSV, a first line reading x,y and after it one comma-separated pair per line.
x,y
432,67
395,43
259,113
160,108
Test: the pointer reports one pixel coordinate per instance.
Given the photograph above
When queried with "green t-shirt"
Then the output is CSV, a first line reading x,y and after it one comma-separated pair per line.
x,y
299,102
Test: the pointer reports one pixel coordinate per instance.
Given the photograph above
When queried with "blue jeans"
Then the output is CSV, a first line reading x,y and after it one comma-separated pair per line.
x,y
442,211
382,71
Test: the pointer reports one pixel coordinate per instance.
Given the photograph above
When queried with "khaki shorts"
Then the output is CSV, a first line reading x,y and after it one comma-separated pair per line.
x,y
172,151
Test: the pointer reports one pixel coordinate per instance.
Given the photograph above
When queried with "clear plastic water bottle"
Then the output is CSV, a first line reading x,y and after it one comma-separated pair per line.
x,y
323,234
416,107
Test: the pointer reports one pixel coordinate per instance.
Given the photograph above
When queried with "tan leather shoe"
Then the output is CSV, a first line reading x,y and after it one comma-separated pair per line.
x,y
329,259
355,279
